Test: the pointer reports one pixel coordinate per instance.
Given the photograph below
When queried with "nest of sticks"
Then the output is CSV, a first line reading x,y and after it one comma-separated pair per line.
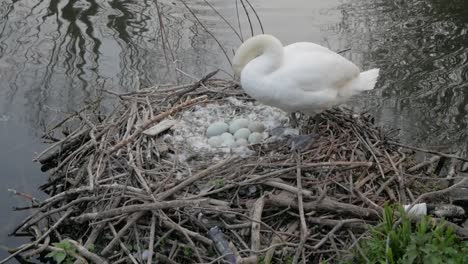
x,y
114,196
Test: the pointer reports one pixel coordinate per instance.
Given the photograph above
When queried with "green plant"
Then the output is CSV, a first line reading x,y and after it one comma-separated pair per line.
x,y
288,259
425,242
188,252
65,256
92,248
261,260
219,183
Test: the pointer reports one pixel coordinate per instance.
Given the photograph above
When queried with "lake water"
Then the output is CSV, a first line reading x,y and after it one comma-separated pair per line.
x,y
57,54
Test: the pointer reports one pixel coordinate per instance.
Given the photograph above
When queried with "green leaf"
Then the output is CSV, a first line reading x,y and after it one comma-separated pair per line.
x,y
403,242
60,257
92,248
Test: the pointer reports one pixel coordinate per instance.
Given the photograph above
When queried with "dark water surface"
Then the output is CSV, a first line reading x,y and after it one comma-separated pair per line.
x,y
57,54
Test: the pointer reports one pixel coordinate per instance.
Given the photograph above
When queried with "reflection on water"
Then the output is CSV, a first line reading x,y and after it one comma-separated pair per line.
x,y
56,54
422,49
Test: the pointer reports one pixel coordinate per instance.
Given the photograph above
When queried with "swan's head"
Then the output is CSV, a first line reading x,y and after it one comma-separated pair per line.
x,y
253,48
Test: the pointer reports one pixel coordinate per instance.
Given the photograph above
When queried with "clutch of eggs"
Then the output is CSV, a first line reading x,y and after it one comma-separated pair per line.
x,y
239,132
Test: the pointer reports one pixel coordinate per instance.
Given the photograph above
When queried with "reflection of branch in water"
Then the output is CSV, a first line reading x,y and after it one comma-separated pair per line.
x,y
164,39
207,31
15,49
56,53
224,19
163,33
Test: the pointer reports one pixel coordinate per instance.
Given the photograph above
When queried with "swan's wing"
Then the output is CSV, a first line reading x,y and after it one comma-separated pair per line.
x,y
315,70
300,47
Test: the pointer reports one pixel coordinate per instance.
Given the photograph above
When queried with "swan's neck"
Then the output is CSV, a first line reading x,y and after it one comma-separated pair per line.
x,y
263,54
268,62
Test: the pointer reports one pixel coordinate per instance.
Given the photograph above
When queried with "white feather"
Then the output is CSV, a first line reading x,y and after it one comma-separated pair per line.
x,y
303,76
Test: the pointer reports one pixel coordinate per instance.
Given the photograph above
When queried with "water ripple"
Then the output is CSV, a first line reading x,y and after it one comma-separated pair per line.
x,y
421,48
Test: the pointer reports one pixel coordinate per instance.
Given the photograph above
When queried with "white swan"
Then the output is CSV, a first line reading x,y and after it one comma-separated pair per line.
x,y
301,77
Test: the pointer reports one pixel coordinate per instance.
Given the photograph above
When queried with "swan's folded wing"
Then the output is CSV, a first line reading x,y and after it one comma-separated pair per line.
x,y
315,70
305,47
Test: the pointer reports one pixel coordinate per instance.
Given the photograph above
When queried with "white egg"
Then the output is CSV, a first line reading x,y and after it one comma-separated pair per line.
x,y
256,127
215,141
227,136
242,142
242,133
216,129
237,124
228,142
255,138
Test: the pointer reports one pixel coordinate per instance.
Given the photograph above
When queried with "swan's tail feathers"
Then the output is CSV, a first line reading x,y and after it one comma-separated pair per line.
x,y
366,80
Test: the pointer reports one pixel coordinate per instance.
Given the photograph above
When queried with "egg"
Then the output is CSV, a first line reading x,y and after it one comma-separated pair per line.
x,y
228,142
215,141
242,133
241,142
237,124
256,127
255,138
227,136
216,129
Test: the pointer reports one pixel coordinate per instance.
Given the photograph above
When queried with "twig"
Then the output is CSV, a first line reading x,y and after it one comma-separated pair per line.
x,y
357,224
184,232
38,240
256,15
326,205
289,188
248,17
304,231
122,245
325,238
257,216
153,120
430,161
436,193
188,233
86,253
130,221
224,19
140,207
269,254
207,31
151,243
450,156
194,178
196,85
400,179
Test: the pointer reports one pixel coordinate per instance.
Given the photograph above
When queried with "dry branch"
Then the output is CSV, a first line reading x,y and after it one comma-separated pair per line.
x,y
113,186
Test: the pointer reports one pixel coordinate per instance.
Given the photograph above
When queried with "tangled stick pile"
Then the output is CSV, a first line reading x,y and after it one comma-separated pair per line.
x,y
118,195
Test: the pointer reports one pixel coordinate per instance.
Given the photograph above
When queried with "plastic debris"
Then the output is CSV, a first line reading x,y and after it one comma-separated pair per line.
x,y
222,245
417,209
